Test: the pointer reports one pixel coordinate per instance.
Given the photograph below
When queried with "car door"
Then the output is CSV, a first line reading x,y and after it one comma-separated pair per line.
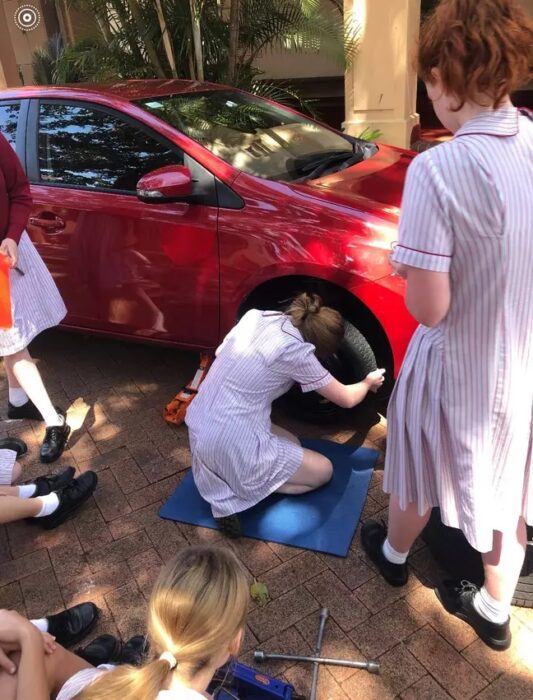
x,y
122,266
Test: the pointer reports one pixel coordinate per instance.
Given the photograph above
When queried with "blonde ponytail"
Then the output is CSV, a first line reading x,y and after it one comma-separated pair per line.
x,y
197,609
129,682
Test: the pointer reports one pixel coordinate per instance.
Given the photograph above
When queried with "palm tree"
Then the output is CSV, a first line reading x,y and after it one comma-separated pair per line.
x,y
44,60
234,27
214,40
196,20
167,42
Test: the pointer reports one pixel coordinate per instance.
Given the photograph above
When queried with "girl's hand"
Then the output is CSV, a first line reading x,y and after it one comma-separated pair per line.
x,y
10,249
6,663
49,643
14,629
375,380
15,632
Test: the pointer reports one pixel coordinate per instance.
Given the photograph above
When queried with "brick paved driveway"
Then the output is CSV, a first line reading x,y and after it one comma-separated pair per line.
x,y
110,553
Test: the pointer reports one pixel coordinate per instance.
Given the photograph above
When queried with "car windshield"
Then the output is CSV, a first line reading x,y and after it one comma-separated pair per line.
x,y
258,137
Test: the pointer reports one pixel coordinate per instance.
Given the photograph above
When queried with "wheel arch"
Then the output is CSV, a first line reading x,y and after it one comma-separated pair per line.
x,y
278,291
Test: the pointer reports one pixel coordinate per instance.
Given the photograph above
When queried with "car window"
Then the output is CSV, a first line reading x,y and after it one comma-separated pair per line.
x,y
259,137
9,114
83,146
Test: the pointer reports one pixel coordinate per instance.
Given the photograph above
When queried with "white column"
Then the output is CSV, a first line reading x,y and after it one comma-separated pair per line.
x,y
381,81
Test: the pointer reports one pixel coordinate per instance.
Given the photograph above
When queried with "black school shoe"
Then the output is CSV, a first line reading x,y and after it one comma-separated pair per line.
x,y
458,599
230,526
102,650
135,651
18,446
28,410
373,535
53,482
72,625
70,499
107,649
54,442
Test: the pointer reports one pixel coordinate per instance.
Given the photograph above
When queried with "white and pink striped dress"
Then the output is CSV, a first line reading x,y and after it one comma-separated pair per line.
x,y
237,460
460,418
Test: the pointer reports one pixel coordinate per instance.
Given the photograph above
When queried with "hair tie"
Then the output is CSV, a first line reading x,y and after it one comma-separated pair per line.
x,y
169,658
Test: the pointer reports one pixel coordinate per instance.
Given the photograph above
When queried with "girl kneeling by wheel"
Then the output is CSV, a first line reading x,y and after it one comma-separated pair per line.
x,y
238,456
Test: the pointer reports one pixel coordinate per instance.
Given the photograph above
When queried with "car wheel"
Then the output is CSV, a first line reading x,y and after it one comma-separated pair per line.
x,y
354,360
461,561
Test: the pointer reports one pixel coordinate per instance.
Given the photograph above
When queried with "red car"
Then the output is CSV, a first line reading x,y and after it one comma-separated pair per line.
x,y
164,209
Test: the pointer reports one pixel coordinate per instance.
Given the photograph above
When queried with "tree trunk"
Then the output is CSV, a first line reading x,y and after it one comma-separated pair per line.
x,y
234,25
104,28
192,65
147,41
167,42
65,22
197,38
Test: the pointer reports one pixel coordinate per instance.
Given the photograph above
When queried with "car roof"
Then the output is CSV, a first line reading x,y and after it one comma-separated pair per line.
x,y
130,90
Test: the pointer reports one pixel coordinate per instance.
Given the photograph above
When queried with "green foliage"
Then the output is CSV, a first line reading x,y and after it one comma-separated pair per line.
x,y
370,134
45,61
259,593
129,42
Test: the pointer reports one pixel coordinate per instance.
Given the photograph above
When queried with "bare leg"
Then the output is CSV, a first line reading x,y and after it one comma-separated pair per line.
x,y
24,369
17,473
503,564
60,666
14,508
405,525
281,432
11,379
316,470
9,491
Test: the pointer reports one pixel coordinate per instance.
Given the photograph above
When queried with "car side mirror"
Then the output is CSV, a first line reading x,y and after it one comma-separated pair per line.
x,y
172,183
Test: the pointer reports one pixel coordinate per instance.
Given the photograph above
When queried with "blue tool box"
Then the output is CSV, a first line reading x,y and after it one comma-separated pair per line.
x,y
240,682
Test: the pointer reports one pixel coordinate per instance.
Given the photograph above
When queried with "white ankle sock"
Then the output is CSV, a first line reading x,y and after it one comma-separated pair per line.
x,y
392,555
490,608
27,490
50,504
17,397
54,419
42,624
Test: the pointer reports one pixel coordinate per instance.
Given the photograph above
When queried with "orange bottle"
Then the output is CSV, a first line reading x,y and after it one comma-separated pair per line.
x,y
6,318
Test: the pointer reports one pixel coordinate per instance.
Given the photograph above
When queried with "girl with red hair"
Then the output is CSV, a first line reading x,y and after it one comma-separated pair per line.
x,y
460,419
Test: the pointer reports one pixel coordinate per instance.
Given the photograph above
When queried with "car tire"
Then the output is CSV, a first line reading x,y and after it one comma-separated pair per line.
x,y
354,360
461,561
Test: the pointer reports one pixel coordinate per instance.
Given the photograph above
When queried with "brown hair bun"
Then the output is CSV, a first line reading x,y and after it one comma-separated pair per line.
x,y
319,325
480,47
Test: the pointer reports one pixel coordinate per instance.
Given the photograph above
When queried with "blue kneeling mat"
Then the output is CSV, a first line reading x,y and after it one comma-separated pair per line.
x,y
324,520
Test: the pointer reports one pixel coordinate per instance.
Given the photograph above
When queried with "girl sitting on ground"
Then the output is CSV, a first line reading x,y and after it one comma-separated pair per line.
x,y
238,456
196,620
51,499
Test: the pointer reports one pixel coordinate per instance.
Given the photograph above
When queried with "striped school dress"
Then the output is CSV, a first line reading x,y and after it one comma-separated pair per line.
x,y
35,300
8,459
460,418
237,460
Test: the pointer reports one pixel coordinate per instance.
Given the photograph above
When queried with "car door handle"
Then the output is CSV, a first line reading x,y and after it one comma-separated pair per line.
x,y
55,224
